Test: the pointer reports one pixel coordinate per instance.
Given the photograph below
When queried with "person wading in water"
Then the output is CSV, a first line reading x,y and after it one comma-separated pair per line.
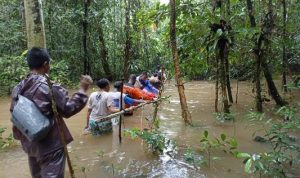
x,y
46,157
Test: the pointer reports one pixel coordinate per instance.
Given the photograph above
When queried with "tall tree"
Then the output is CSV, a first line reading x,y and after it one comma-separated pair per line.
x,y
284,57
217,84
251,13
221,32
127,48
222,51
226,54
267,30
258,58
104,53
34,24
136,32
85,24
261,47
178,77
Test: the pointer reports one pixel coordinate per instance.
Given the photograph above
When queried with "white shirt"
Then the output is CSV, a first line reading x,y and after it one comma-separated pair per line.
x,y
99,102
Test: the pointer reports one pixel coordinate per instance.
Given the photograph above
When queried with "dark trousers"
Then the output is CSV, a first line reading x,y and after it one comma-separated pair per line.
x,y
51,165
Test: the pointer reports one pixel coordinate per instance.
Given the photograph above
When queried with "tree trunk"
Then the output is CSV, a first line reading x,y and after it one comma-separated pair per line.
x,y
228,85
217,85
127,49
50,14
284,57
271,85
185,112
266,34
85,24
267,29
251,13
34,24
146,51
223,75
258,58
104,53
136,42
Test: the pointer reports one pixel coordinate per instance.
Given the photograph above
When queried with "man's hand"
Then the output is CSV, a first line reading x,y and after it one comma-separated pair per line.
x,y
130,108
85,82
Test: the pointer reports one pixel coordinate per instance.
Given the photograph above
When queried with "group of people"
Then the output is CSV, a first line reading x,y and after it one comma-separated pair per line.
x,y
101,103
47,156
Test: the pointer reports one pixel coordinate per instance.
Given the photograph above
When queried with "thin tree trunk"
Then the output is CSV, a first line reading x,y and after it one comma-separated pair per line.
x,y
84,37
114,39
217,85
237,91
226,59
104,53
258,55
284,57
146,47
251,13
121,116
34,24
127,49
228,85
267,29
185,112
271,85
259,52
223,77
136,43
50,13
266,34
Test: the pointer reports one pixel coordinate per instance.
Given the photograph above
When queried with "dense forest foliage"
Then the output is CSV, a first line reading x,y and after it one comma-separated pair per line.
x,y
220,40
115,38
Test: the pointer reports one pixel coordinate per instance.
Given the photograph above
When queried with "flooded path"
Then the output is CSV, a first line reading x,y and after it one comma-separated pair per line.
x,y
104,157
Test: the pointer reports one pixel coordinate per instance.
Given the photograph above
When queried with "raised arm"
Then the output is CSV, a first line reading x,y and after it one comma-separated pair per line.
x,y
66,106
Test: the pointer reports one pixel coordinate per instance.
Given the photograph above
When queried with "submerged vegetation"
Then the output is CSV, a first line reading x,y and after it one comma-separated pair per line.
x,y
257,41
6,142
285,153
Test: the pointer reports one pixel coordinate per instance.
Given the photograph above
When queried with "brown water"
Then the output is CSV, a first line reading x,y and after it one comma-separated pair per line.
x,y
103,156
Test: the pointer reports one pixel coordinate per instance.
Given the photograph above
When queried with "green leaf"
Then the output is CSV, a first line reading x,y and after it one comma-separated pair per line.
x,y
216,158
248,166
24,53
260,166
203,140
233,144
205,133
223,137
243,155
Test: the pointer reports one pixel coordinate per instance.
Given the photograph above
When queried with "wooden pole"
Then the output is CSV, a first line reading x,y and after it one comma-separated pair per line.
x,y
154,118
106,118
121,115
60,129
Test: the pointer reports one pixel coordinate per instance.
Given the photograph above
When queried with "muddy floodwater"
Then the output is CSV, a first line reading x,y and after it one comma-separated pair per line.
x,y
104,156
